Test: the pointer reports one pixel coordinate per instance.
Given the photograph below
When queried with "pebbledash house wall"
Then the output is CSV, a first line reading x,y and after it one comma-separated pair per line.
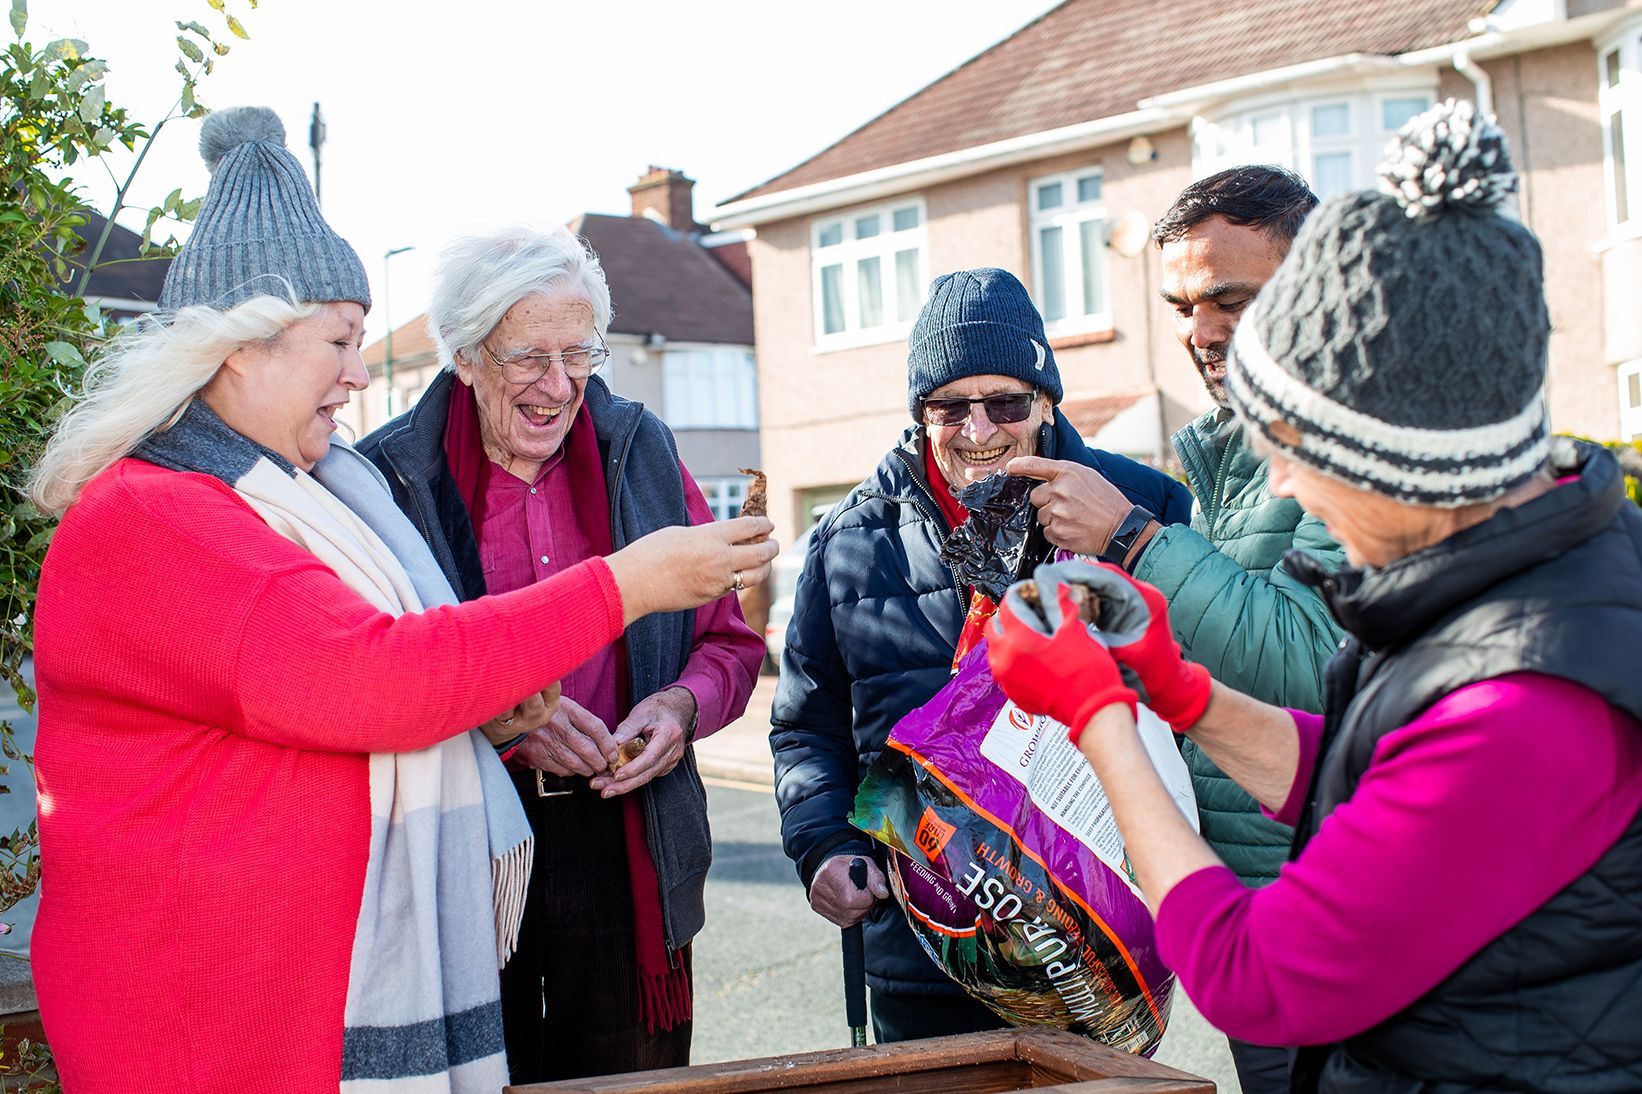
x,y
829,415
1545,101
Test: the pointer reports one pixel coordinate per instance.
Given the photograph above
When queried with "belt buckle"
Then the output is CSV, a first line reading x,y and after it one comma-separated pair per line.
x,y
543,792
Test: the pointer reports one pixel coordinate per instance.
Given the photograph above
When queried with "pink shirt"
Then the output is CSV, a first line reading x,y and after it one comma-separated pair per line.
x,y
531,532
1468,819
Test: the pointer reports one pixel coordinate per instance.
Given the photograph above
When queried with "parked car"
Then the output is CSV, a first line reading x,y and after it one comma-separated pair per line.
x,y
783,584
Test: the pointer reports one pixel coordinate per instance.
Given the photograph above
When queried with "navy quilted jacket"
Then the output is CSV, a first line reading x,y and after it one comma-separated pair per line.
x,y
876,617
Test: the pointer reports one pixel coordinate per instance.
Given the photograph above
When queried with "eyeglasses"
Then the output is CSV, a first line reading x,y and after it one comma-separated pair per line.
x,y
1000,409
578,363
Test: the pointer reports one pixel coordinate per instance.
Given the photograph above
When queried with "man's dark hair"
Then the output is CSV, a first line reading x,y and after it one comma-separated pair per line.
x,y
1261,196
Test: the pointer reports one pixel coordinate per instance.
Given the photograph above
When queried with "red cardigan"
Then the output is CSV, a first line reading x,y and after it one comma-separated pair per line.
x,y
209,693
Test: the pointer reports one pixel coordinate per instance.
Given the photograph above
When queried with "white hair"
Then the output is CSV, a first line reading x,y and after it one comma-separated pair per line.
x,y
142,383
481,277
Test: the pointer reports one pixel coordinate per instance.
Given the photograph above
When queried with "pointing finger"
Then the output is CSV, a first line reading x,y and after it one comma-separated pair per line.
x,y
1036,467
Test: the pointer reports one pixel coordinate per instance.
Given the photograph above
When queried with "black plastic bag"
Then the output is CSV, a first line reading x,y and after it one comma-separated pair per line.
x,y
1001,540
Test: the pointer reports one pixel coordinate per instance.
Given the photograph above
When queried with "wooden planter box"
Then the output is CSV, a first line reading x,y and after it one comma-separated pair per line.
x,y
1039,1059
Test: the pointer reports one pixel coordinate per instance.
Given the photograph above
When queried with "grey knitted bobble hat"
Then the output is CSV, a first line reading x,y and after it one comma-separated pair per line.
x,y
978,323
1401,345
260,226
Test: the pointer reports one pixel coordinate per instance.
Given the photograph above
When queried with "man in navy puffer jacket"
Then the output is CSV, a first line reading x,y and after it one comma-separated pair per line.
x,y
876,613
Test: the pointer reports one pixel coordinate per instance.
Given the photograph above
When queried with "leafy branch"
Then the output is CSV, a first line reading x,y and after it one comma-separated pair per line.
x,y
54,114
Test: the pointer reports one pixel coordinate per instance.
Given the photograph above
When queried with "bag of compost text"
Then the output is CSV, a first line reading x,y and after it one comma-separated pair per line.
x,y
1003,853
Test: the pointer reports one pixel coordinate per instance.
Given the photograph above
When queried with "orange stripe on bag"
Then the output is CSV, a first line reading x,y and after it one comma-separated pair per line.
x,y
1105,929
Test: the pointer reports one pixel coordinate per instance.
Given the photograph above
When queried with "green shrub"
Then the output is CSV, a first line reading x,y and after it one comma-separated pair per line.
x,y
55,114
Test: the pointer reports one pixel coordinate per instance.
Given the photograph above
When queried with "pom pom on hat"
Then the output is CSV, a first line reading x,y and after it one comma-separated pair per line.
x,y
1448,157
1401,346
259,230
226,130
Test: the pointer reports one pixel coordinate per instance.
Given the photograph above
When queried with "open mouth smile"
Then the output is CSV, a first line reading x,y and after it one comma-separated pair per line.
x,y
977,459
540,417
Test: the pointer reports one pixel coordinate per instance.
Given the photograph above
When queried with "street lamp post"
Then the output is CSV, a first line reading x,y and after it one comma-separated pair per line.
x,y
387,317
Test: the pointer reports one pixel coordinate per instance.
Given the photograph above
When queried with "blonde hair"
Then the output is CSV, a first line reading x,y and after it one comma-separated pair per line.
x,y
142,383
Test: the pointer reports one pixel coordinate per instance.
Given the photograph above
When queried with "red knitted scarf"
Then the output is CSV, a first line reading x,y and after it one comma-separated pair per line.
x,y
951,508
664,987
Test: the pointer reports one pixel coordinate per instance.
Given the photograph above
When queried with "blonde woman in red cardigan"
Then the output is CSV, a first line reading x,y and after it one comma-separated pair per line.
x,y
274,857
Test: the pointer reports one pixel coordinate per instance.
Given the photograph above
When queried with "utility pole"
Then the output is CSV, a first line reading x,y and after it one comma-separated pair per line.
x,y
387,317
316,139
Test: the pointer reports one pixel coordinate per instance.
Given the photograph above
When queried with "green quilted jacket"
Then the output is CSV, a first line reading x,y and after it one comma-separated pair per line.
x,y
1239,613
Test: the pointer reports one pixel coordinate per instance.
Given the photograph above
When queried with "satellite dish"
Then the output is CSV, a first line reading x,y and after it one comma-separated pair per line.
x,y
1128,233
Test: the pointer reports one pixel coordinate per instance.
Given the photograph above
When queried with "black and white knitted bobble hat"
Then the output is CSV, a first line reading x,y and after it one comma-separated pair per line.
x,y
1401,346
259,227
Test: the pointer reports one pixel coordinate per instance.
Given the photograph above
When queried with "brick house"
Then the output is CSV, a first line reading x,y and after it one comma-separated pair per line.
x,y
1052,152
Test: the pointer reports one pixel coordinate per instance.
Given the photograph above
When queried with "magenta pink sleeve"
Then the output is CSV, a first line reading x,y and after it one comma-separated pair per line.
x,y
726,654
1309,728
1468,819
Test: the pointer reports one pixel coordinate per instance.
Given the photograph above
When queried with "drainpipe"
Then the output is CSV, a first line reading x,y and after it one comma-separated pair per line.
x,y
1465,66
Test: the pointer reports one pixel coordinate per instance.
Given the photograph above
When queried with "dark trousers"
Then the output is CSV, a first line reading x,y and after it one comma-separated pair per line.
x,y
570,1002
905,1017
1260,1070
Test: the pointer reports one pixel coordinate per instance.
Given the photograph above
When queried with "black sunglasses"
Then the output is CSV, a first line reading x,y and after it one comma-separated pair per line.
x,y
1000,409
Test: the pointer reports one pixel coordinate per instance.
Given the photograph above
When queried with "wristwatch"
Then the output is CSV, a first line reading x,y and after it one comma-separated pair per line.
x,y
1123,540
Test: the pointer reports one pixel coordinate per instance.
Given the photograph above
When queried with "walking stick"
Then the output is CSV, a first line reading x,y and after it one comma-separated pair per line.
x,y
855,968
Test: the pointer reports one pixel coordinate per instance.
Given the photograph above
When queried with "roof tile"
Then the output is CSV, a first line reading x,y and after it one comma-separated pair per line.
x,y
1091,59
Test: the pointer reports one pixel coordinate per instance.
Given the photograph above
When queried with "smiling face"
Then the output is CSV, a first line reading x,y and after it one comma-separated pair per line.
x,y
970,452
1209,276
284,393
523,425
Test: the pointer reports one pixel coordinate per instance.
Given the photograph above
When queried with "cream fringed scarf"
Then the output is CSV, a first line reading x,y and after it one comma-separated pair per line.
x,y
438,918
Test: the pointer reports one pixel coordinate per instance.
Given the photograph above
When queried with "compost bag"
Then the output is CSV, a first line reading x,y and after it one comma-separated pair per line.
x,y
1004,856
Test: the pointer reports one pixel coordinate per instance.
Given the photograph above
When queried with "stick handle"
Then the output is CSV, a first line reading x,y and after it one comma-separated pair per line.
x,y
855,967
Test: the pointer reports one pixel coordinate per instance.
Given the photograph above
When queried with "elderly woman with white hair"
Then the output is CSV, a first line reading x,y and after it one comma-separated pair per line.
x,y
276,854
517,464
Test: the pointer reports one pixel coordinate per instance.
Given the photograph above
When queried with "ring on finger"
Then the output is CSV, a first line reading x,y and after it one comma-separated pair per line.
x,y
736,583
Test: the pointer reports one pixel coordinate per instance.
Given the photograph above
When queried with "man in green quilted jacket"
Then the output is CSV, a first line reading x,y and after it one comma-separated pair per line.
x,y
1236,609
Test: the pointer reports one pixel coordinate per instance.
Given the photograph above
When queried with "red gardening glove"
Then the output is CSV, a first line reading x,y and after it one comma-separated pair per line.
x,y
1176,689
1067,675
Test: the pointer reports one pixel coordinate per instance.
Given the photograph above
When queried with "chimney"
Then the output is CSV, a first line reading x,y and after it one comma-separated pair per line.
x,y
665,195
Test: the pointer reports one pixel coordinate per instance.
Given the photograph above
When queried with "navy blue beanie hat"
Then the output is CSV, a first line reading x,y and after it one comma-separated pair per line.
x,y
978,323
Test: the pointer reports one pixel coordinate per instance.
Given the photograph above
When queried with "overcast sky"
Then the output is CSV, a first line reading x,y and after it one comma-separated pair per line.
x,y
446,117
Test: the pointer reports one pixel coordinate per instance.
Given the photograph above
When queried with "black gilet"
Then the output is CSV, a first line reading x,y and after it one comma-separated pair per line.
x,y
1553,587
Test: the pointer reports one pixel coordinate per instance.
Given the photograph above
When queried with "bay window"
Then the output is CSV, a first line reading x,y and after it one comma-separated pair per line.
x,y
711,387
1335,141
1619,100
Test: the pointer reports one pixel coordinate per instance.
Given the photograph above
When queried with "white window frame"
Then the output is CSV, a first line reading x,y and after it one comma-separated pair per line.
x,y
1070,217
724,494
1630,410
1623,102
1225,138
728,377
849,254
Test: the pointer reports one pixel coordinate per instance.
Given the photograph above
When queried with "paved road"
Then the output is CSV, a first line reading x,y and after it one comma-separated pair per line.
x,y
768,973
